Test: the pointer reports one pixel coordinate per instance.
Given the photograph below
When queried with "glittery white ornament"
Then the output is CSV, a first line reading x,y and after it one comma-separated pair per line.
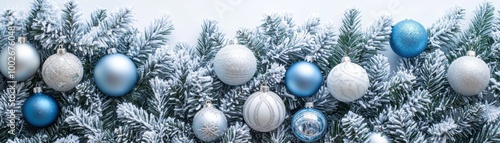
x,y
22,64
264,111
235,64
468,75
62,71
209,124
378,138
347,81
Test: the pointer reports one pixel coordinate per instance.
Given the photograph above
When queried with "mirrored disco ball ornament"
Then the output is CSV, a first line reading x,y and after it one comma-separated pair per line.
x,y
40,110
309,124
20,62
347,81
468,75
303,79
264,111
62,71
235,64
115,74
209,124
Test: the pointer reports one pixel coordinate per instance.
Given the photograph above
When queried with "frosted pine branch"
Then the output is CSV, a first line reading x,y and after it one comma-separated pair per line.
x,y
433,72
312,25
237,133
210,41
444,131
376,37
68,139
355,127
350,38
443,33
378,70
135,117
84,123
154,36
107,32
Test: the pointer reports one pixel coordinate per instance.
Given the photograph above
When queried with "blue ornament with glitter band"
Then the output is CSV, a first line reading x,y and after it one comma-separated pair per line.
x,y
115,74
40,110
309,124
303,79
408,38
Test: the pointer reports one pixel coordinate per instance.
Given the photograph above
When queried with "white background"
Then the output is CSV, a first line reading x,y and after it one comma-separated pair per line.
x,y
188,15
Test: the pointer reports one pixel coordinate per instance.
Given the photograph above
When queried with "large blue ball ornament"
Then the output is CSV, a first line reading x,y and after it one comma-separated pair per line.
x,y
40,110
408,38
303,79
115,75
309,124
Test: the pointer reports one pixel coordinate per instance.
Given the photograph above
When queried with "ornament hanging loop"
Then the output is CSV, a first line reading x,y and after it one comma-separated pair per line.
x,y
264,88
309,59
21,40
346,59
208,103
61,50
471,53
309,105
37,89
111,51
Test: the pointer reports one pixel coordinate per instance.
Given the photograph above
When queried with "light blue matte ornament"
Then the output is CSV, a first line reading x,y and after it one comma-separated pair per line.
x,y
40,110
303,79
115,74
209,124
309,124
408,38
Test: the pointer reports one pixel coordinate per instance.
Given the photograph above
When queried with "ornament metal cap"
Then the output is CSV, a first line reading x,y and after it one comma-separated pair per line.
x,y
309,58
264,88
309,105
37,90
61,50
471,53
21,40
208,104
111,51
346,59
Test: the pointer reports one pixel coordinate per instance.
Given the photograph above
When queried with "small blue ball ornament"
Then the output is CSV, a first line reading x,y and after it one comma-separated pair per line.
x,y
40,110
309,124
303,79
115,74
408,38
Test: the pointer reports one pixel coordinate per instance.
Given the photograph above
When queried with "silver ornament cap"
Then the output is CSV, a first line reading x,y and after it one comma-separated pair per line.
x,y
468,75
37,90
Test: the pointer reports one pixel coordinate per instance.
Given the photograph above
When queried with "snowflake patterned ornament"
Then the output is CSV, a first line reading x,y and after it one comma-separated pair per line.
x,y
209,124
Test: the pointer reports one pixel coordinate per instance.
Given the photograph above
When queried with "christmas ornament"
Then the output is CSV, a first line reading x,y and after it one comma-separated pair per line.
x,y
347,81
377,138
115,74
408,38
209,124
62,71
468,75
303,79
40,110
19,62
309,124
264,111
235,64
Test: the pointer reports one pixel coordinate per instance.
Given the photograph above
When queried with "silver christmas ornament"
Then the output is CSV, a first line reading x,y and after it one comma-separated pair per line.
x,y
209,124
62,71
468,75
378,138
235,64
347,81
19,62
264,111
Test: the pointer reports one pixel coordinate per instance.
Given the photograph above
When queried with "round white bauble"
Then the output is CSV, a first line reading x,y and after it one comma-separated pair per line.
x,y
468,75
378,138
62,71
235,64
347,81
25,61
264,111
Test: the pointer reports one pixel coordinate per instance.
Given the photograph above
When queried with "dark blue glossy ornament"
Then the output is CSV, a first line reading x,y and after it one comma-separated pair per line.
x,y
309,124
408,38
303,79
40,110
115,74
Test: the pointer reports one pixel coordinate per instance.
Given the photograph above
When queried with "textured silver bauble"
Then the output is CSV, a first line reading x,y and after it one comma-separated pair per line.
x,y
27,61
235,64
209,124
264,111
62,71
347,81
468,75
378,138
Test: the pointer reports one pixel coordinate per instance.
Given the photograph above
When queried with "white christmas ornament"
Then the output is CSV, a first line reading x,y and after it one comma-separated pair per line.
x,y
468,75
347,81
20,61
264,111
235,64
62,71
209,124
378,138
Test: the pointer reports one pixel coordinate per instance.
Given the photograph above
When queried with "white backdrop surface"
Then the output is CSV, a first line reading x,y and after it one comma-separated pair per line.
x,y
188,15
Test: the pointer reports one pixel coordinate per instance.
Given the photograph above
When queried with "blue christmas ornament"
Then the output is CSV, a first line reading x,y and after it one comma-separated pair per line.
x,y
309,124
40,110
115,74
408,38
303,79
